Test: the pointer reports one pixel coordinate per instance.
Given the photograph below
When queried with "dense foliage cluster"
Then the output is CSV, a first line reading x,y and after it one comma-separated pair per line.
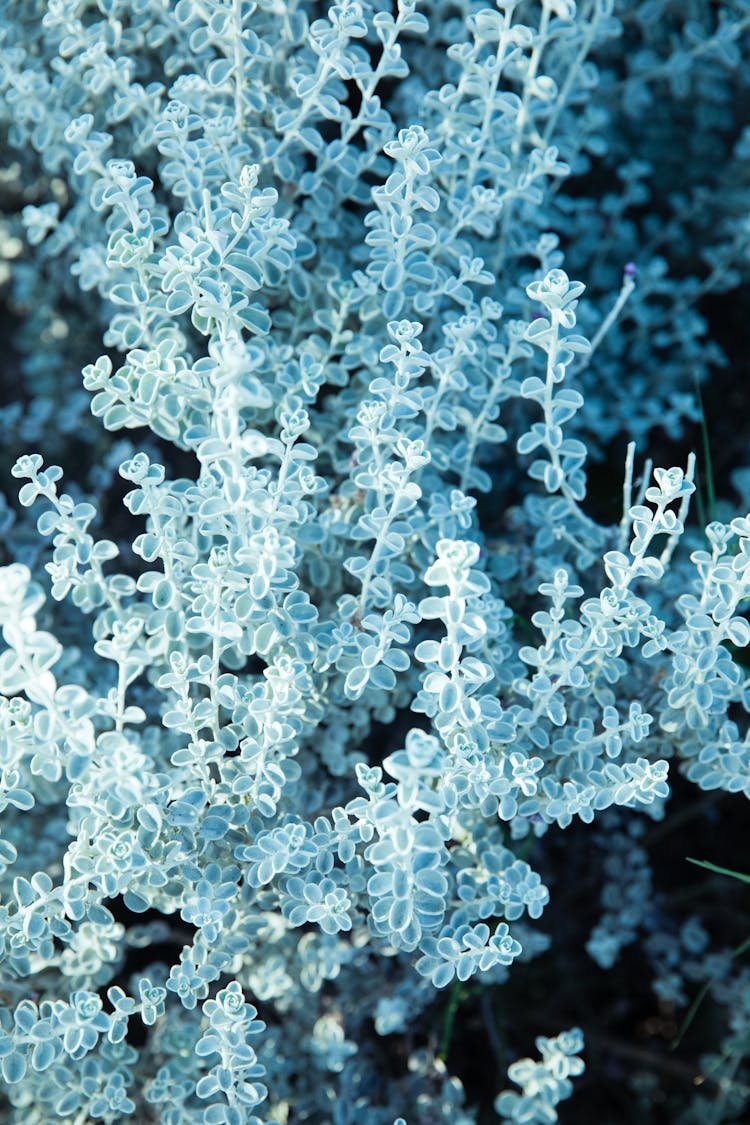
x,y
343,613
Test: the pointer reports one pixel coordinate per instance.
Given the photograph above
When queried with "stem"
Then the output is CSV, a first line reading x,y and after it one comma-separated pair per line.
x,y
488,107
239,112
377,549
651,1059
681,513
355,124
564,487
627,496
121,684
454,1000
473,435
523,115
215,654
570,77
628,285
292,130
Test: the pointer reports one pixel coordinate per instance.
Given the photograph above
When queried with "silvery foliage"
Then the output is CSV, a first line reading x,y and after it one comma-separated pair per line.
x,y
337,318
543,1084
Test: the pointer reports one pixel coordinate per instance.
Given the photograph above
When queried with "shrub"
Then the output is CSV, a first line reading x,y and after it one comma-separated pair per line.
x,y
331,619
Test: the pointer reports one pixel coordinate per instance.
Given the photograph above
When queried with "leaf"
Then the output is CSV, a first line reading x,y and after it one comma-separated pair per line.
x,y
355,681
736,952
13,1068
256,319
207,1086
393,276
719,870
245,270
